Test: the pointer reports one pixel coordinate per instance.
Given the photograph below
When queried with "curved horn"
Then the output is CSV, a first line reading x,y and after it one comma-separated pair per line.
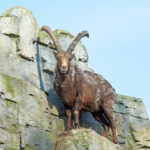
x,y
76,40
50,32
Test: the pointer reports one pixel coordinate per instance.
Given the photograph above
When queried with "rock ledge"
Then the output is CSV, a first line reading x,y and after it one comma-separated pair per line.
x,y
84,139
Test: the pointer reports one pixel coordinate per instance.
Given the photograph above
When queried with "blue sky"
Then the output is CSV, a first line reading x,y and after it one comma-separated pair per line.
x,y
119,43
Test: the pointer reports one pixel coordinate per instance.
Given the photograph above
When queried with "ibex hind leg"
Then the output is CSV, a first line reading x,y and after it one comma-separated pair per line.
x,y
99,116
109,116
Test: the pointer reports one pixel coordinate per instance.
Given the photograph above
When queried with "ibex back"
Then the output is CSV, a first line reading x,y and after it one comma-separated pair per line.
x,y
82,90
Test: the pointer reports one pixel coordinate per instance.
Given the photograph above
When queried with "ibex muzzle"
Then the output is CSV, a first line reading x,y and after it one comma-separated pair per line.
x,y
63,61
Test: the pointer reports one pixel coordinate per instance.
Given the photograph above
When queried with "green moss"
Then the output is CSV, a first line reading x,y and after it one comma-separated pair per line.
x,y
22,103
14,141
7,12
8,85
51,45
59,33
29,147
81,139
14,129
130,144
57,125
43,35
9,104
58,36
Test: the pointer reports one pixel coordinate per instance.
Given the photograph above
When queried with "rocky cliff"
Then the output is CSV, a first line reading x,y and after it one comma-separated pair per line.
x,y
31,114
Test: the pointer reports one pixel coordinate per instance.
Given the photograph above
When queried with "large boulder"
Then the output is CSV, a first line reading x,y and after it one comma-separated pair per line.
x,y
133,125
26,121
83,139
26,26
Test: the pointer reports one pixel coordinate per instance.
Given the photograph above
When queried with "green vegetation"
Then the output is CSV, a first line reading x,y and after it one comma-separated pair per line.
x,y
59,33
8,85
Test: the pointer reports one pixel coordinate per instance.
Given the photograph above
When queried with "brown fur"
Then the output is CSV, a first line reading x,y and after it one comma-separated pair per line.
x,y
85,91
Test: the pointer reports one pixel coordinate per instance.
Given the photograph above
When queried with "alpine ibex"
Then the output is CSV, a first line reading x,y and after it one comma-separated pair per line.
x,y
82,90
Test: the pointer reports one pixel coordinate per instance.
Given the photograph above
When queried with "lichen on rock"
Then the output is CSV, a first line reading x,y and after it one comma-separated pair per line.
x,y
83,139
44,38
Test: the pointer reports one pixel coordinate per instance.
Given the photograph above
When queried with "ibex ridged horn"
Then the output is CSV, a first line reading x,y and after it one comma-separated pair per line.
x,y
52,35
76,40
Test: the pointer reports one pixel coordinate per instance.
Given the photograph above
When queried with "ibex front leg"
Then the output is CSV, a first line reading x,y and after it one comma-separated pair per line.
x,y
68,113
77,107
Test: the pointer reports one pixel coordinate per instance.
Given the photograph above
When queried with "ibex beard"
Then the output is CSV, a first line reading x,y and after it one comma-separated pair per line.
x,y
82,90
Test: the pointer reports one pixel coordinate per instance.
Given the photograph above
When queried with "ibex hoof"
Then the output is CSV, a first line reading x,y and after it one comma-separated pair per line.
x,y
115,141
76,126
68,128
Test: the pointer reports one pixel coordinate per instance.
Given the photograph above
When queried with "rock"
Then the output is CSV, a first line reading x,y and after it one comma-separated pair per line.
x,y
7,46
26,116
84,66
9,26
44,38
28,30
131,106
84,139
20,69
140,129
47,59
132,123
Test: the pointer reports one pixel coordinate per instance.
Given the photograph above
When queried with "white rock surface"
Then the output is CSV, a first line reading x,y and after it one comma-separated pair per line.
x,y
8,46
28,30
9,26
83,139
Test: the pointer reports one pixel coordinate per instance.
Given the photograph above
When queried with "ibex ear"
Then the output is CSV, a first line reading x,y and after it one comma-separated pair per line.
x,y
72,56
55,54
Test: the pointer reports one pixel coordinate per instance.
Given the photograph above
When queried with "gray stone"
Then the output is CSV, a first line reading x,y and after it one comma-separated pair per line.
x,y
9,26
28,30
131,105
24,109
45,39
84,66
7,46
84,139
24,140
47,59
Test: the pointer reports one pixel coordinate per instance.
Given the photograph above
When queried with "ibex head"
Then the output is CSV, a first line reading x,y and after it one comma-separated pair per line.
x,y
64,58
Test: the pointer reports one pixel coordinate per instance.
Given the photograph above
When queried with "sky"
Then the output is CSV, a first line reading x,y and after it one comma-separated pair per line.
x,y
119,42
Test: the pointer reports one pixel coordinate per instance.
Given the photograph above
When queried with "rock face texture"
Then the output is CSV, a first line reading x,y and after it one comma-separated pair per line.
x,y
83,139
133,126
32,116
